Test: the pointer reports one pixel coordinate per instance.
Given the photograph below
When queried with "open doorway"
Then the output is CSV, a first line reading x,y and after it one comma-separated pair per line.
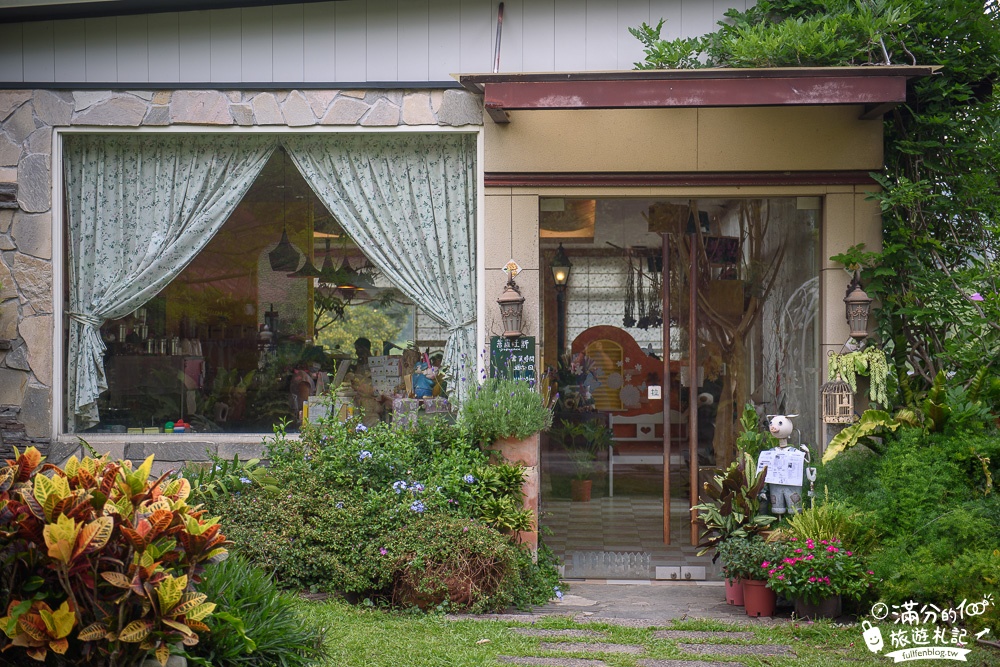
x,y
648,412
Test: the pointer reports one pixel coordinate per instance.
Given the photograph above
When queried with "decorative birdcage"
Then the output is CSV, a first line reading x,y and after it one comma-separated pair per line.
x,y
838,401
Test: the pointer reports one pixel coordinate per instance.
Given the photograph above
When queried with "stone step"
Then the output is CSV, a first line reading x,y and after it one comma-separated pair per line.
x,y
698,634
596,647
542,632
551,662
738,649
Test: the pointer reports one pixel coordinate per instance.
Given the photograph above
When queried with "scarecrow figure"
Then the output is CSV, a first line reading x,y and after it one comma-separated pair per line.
x,y
786,495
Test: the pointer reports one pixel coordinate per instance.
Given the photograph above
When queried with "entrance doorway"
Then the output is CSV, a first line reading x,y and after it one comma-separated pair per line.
x,y
676,314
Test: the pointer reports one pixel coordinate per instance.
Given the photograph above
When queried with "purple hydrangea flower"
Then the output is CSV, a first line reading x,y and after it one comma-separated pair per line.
x,y
364,454
469,479
417,506
399,486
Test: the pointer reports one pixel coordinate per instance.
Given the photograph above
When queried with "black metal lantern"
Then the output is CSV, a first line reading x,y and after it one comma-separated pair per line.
x,y
560,266
511,309
859,306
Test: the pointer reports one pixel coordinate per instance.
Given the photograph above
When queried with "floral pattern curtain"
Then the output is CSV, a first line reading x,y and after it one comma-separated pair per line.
x,y
409,201
140,208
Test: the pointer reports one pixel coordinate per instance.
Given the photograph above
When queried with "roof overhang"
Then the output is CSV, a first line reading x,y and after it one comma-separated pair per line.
x,y
877,88
49,10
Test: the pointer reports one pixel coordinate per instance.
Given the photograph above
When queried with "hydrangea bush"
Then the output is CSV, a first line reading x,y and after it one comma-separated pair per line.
x,y
412,516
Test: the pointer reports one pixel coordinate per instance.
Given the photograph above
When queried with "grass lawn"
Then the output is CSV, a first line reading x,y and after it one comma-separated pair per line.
x,y
372,638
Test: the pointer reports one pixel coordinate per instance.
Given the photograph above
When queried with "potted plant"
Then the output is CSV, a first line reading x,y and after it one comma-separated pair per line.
x,y
733,509
738,563
817,575
504,409
758,559
584,442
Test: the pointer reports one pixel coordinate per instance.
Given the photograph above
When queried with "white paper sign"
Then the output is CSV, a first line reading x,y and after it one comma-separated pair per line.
x,y
784,466
653,392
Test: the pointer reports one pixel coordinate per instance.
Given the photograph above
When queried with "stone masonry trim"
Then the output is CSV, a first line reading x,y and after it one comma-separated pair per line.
x,y
27,118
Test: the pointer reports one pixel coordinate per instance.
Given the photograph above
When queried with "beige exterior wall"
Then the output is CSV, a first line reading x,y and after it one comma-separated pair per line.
x,y
681,140
849,218
686,140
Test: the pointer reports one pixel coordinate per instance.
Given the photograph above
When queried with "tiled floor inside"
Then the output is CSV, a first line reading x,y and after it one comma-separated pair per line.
x,y
620,537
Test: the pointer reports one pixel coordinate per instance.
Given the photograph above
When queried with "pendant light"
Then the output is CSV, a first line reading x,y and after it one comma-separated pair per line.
x,y
285,256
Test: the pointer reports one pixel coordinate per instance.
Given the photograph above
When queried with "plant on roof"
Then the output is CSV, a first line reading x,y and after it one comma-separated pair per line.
x,y
936,276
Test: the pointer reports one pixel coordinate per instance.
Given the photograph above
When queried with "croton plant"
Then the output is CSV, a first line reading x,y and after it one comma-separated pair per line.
x,y
99,561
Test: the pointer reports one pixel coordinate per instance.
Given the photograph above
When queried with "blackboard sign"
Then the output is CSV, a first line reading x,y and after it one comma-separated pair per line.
x,y
513,358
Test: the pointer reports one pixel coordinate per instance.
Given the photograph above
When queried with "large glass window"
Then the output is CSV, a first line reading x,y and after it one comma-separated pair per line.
x,y
278,307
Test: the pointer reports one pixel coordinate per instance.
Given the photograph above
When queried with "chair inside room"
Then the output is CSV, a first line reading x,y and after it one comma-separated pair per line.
x,y
638,440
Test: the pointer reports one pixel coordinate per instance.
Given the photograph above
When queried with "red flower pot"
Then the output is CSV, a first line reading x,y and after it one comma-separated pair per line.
x,y
734,592
758,599
580,490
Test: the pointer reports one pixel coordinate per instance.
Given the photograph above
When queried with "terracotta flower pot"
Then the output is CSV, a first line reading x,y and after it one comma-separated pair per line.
x,y
758,599
580,490
734,592
825,608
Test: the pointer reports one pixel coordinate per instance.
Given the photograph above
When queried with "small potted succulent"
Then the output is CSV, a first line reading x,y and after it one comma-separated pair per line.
x,y
817,574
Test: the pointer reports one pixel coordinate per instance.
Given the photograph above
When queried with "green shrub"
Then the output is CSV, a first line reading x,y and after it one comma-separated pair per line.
x,y
501,408
830,521
932,498
389,514
261,626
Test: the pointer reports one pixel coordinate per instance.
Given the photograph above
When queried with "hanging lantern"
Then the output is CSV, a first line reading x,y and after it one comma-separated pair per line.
x,y
859,306
560,266
308,270
284,257
838,402
511,309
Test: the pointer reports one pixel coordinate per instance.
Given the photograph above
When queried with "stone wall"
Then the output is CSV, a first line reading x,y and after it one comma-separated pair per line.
x,y
27,118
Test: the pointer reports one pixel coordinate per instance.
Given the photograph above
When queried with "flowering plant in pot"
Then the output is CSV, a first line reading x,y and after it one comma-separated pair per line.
x,y
503,408
817,575
735,567
758,599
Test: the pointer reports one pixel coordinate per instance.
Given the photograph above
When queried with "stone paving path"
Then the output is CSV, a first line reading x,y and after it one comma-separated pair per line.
x,y
639,605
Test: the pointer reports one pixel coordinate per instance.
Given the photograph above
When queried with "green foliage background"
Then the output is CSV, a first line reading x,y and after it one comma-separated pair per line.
x,y
940,196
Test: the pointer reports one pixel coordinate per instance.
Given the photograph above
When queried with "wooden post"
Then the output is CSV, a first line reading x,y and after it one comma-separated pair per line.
x,y
693,382
665,392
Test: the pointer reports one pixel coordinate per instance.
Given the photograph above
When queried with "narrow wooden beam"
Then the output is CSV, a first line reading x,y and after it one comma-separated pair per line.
x,y
665,391
693,384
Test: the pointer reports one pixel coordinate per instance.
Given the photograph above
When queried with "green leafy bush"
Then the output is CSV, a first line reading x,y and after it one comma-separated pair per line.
x,y
101,561
502,408
932,497
411,516
834,521
261,626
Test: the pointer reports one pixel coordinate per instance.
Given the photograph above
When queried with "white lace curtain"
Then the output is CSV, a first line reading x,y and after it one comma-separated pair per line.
x,y
409,201
140,208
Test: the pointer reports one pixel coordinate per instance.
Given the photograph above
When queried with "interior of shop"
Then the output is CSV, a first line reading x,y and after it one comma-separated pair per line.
x,y
617,325
278,306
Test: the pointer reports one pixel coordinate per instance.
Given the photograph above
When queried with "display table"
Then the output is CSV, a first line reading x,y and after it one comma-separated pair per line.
x,y
154,375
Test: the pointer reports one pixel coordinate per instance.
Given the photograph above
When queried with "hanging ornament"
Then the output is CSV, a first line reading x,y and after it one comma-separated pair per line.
x,y
629,319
